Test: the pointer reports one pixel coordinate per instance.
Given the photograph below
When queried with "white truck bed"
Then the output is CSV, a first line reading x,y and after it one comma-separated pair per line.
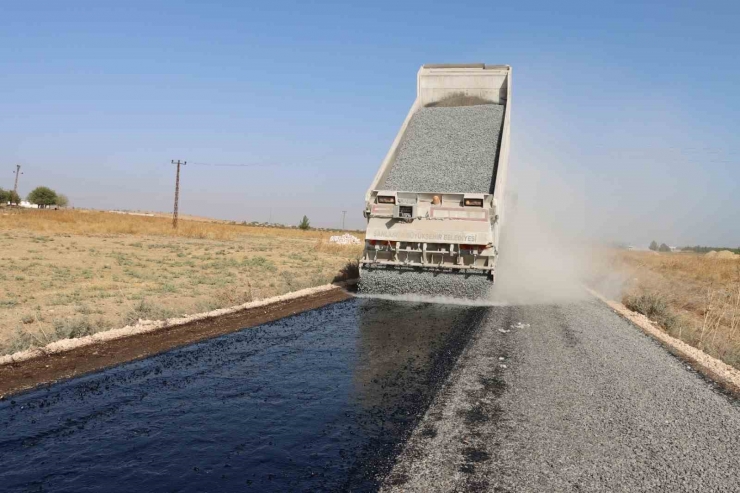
x,y
436,227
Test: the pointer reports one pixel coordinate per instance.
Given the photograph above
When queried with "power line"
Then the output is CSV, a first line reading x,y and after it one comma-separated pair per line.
x,y
177,191
255,165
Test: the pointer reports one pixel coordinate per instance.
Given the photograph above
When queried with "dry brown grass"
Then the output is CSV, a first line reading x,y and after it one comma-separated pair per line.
x,y
353,251
694,297
84,222
71,273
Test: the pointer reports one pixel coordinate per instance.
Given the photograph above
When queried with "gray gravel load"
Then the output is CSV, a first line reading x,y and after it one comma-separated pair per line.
x,y
448,150
397,282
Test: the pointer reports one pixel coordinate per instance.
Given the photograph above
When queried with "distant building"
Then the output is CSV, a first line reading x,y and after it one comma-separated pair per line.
x,y
28,205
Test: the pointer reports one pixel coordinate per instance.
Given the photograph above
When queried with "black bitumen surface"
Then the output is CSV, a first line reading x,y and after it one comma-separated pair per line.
x,y
320,401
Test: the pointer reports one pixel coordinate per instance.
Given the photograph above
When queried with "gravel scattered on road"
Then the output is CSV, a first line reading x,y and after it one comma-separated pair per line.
x,y
448,150
586,402
396,282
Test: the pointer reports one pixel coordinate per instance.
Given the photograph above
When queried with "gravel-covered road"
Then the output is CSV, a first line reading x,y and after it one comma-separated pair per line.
x,y
571,398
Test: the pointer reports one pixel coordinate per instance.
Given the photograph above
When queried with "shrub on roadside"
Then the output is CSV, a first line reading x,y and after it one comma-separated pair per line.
x,y
73,328
22,339
655,308
144,310
70,328
350,270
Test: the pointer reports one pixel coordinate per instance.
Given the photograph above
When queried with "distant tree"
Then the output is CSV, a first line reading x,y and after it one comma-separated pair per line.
x,y
664,248
42,196
13,197
62,200
654,246
4,196
305,224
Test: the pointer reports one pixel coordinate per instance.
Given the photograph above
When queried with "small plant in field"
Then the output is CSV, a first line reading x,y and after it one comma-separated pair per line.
x,y
260,262
168,288
21,339
230,297
144,310
305,224
721,315
288,279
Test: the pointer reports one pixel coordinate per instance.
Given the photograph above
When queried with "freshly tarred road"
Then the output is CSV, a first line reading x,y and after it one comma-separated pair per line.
x,y
54,367
320,401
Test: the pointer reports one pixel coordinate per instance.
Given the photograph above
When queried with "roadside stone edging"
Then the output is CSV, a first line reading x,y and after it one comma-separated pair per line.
x,y
715,369
144,326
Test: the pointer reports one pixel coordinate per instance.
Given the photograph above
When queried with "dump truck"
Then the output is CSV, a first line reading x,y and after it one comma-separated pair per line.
x,y
436,204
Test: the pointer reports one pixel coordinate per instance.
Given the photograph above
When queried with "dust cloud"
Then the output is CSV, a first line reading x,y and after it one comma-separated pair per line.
x,y
547,252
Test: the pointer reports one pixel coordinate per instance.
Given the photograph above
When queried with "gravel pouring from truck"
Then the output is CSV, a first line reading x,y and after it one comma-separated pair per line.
x,y
436,203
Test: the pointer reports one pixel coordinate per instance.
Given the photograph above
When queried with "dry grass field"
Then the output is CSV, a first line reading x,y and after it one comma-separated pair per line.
x,y
694,297
72,273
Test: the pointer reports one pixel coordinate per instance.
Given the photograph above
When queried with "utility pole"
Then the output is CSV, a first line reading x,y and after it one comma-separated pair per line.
x,y
177,190
17,174
344,214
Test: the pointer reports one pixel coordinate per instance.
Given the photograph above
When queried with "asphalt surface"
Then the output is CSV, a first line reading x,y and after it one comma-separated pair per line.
x,y
367,394
571,398
320,401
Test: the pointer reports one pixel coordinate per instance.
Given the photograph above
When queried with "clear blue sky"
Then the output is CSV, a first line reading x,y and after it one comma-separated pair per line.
x,y
625,115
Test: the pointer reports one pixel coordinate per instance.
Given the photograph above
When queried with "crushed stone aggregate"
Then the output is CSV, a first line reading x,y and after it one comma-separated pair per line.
x,y
448,150
397,282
